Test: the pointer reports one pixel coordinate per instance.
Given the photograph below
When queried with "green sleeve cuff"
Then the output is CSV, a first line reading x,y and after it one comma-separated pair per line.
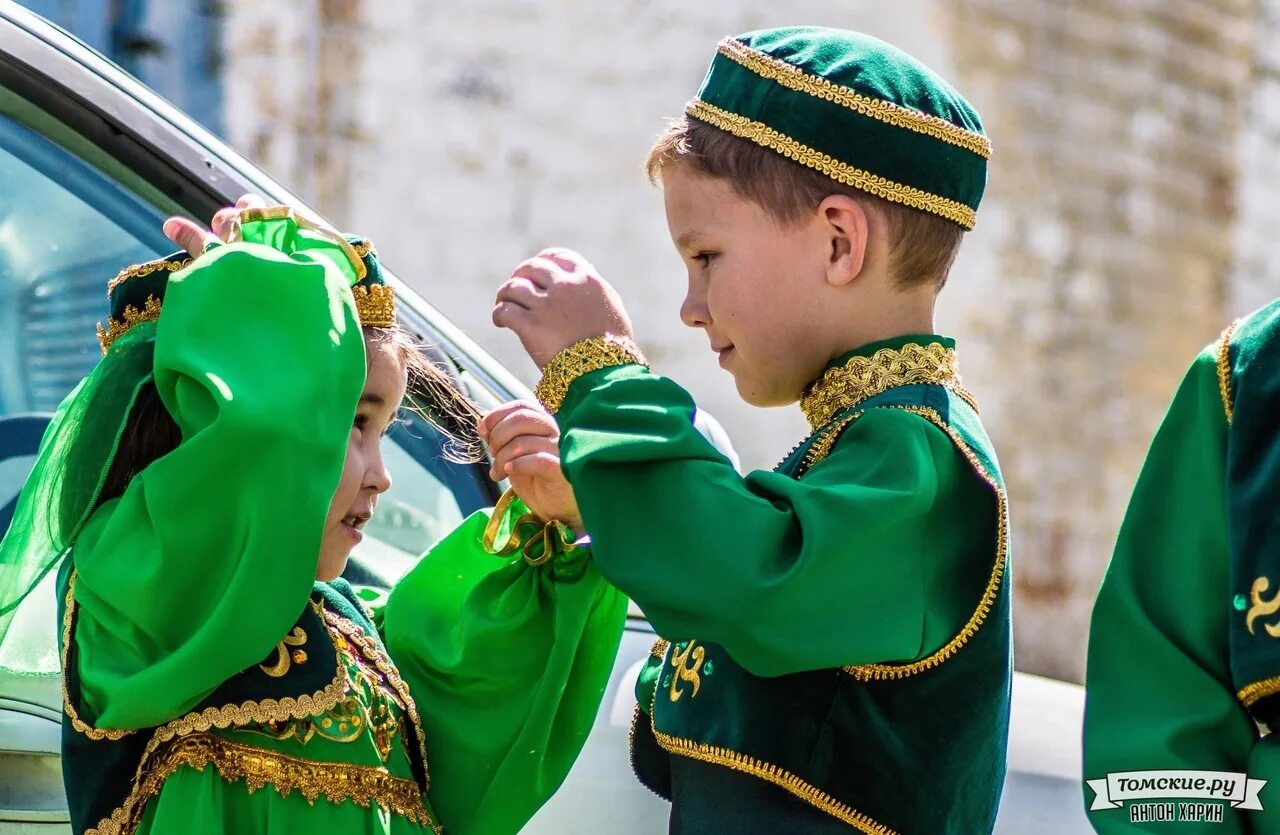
x,y
582,387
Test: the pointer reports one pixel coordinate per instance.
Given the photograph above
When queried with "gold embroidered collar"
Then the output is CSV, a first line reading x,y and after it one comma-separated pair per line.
x,y
864,377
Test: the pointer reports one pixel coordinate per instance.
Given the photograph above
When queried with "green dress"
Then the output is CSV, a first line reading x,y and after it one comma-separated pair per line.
x,y
489,668
1160,689
836,631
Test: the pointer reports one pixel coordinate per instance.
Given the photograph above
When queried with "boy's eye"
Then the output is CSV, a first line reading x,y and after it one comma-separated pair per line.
x,y
704,258
360,422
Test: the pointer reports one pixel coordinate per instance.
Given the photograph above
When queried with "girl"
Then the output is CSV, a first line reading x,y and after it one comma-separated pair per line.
x,y
218,675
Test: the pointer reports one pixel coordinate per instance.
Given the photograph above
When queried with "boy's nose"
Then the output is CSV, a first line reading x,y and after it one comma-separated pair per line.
x,y
693,312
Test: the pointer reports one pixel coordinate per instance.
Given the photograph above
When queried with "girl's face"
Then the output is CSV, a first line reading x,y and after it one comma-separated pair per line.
x,y
364,476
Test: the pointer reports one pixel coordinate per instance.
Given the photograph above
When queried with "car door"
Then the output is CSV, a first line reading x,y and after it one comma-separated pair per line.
x,y
90,164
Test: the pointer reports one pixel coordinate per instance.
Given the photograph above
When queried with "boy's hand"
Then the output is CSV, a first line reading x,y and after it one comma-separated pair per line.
x,y
556,299
525,443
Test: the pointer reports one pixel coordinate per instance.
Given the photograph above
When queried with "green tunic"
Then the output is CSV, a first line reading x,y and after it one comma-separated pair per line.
x,y
1160,693
199,571
767,586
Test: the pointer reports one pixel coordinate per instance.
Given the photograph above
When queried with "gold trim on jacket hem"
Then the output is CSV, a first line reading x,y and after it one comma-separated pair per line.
x,y
770,773
883,672
68,614
842,172
794,78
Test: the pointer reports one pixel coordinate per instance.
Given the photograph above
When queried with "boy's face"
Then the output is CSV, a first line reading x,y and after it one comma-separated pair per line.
x,y
755,285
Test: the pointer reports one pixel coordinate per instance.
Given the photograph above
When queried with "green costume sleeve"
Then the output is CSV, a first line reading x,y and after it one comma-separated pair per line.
x,y
507,663
208,557
836,568
1159,692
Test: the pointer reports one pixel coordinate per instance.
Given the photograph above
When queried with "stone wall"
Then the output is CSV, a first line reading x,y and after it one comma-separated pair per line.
x,y
1129,212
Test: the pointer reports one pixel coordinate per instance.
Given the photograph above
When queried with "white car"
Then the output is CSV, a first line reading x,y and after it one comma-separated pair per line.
x,y
91,162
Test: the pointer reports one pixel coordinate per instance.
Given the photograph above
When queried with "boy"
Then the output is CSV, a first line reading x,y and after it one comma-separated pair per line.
x,y
837,644
1184,656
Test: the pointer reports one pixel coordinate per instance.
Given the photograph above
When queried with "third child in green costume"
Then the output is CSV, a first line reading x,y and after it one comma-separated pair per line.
x,y
836,652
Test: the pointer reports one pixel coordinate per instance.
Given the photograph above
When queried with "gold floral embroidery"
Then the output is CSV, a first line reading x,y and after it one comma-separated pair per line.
x,y
794,78
864,377
684,671
842,172
1224,370
68,614
131,316
580,358
659,648
257,768
369,648
1259,608
365,247
284,658
881,672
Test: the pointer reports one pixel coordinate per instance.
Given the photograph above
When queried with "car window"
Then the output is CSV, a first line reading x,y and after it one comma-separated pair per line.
x,y
70,218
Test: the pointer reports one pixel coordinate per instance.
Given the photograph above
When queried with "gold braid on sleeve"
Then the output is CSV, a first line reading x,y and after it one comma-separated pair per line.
x,y
580,358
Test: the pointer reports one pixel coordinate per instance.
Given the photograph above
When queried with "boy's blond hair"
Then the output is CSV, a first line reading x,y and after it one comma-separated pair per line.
x,y
922,247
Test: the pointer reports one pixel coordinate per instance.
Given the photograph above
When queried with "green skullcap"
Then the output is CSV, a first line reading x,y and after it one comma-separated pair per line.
x,y
855,108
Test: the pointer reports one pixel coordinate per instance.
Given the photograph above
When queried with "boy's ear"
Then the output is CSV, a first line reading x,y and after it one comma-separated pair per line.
x,y
846,228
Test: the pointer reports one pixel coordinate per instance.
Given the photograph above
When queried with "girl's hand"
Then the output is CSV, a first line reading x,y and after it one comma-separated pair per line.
x,y
525,443
194,238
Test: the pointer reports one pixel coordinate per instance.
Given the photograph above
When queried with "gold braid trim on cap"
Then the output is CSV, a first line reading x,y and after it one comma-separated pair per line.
x,y
258,767
883,672
864,377
583,357
842,172
139,270
117,328
794,78
1224,369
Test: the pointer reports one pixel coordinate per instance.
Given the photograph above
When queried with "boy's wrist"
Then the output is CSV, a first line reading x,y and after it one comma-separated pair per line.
x,y
583,357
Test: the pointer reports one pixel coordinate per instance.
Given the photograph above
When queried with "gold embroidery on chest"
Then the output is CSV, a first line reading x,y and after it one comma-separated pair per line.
x,y
686,671
284,659
864,377
1259,608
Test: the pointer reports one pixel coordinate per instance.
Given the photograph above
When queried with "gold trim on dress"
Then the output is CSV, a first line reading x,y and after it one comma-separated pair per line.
x,y
883,672
258,767
864,377
794,78
131,316
1224,369
842,172
370,649
583,357
68,613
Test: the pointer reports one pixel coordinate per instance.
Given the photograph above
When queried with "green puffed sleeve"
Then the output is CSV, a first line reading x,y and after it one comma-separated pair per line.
x,y
1159,692
208,557
507,662
860,561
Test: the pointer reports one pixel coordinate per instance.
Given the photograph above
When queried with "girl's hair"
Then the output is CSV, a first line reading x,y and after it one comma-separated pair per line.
x,y
150,432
